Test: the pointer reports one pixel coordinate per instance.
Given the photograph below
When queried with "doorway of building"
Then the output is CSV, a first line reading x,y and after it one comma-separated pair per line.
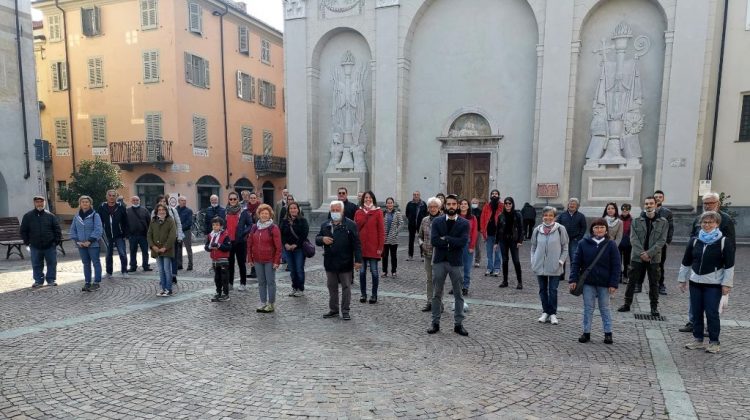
x,y
206,187
469,175
148,188
268,190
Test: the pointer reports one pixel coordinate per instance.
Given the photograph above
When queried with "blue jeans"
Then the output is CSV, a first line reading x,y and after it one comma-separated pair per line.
x,y
705,299
590,295
120,244
38,258
266,282
135,243
89,257
165,272
373,264
548,293
494,259
468,259
296,261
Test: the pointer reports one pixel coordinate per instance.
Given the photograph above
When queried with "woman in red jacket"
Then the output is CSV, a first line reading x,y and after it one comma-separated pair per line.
x,y
369,220
264,253
464,210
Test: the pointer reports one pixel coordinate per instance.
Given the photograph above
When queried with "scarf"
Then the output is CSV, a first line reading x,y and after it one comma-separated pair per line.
x,y
710,237
547,228
370,208
251,209
611,221
234,209
85,214
265,225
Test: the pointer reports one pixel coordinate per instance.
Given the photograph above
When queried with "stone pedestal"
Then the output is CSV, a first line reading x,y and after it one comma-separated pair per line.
x,y
604,184
352,181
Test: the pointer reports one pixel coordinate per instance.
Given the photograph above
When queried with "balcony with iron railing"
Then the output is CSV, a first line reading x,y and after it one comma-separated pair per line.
x,y
265,165
128,154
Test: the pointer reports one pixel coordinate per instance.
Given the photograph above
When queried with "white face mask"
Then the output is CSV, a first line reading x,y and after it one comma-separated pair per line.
x,y
475,206
335,216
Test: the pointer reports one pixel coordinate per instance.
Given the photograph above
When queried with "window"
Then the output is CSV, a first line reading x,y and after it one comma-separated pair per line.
x,y
61,185
200,135
151,66
245,87
243,35
265,51
61,133
745,119
98,132
59,76
267,94
247,140
149,14
267,143
55,28
195,18
95,72
153,126
196,71
91,21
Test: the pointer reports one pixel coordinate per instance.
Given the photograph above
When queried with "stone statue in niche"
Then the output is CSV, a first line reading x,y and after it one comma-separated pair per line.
x,y
349,139
470,125
294,9
617,117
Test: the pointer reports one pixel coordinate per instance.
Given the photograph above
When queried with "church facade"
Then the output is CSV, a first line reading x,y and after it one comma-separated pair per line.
x,y
604,100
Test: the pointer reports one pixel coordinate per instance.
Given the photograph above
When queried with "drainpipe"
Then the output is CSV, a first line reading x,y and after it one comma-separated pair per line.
x,y
710,168
70,87
26,174
224,90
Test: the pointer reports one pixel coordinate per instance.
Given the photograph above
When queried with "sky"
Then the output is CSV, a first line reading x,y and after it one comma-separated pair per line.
x,y
269,11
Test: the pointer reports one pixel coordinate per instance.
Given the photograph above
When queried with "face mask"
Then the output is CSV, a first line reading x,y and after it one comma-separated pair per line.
x,y
451,212
651,210
136,205
475,206
335,216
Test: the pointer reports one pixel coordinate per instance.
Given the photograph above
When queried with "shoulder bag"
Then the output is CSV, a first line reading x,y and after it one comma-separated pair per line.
x,y
308,249
578,291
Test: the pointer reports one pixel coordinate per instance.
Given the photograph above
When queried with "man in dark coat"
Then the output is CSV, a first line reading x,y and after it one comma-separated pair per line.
x,y
139,219
416,210
662,211
449,235
115,223
575,224
41,232
214,210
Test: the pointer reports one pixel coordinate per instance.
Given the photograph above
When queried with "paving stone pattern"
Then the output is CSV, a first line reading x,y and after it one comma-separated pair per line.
x,y
122,352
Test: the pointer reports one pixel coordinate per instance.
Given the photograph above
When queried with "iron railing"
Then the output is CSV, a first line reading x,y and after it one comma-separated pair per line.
x,y
146,152
269,165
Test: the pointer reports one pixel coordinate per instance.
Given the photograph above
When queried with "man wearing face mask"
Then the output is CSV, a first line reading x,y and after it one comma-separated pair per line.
x,y
648,235
477,213
214,210
448,236
342,252
138,222
41,232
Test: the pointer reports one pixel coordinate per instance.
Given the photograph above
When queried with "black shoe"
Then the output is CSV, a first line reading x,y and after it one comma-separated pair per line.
x,y
168,293
460,330
174,280
363,299
584,338
662,290
427,308
435,328
330,314
95,286
346,317
148,269
687,328
450,292
190,267
503,284
638,289
223,298
464,292
519,286
132,269
654,312
216,298
86,288
608,338
179,267
624,308
373,300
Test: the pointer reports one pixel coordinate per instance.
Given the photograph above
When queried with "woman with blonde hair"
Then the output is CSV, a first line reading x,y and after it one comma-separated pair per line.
x,y
85,231
264,253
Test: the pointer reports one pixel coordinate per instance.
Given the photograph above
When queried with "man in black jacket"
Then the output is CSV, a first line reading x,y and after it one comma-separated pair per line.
x,y
416,210
115,223
138,221
342,252
41,232
212,211
575,224
349,207
448,236
666,213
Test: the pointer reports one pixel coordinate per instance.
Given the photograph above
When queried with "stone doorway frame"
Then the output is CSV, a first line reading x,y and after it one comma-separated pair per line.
x,y
470,145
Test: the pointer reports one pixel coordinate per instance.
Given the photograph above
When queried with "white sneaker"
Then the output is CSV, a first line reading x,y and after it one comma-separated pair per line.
x,y
242,288
553,319
300,293
543,318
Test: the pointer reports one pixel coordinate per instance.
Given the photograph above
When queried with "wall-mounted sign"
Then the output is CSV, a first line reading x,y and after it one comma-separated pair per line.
x,y
547,190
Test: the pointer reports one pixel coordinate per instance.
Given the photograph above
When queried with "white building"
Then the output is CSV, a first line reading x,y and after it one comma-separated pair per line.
x,y
21,176
606,100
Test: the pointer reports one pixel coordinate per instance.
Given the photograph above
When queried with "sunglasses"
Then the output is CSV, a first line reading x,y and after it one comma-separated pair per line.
x,y
342,192
508,204
232,199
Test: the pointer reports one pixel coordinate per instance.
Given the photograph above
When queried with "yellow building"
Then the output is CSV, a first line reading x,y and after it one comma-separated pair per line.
x,y
184,95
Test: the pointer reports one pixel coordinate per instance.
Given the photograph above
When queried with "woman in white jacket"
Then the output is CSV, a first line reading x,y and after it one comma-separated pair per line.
x,y
549,251
614,224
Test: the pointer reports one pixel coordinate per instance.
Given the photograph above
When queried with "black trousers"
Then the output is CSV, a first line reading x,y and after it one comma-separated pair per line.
x,y
390,250
528,227
661,265
625,254
221,277
238,253
638,271
506,246
412,235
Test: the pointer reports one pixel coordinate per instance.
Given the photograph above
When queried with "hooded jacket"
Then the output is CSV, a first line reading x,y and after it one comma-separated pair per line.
x,y
549,251
87,228
708,264
162,234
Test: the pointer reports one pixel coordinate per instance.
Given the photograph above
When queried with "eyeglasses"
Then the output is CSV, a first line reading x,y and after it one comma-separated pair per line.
x,y
710,202
342,193
508,204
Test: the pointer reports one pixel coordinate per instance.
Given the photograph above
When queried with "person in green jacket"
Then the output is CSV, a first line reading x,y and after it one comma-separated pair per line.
x,y
162,235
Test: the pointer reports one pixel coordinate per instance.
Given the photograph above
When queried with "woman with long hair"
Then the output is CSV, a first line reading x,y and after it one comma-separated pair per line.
x,y
393,221
509,240
464,210
162,236
614,224
625,247
369,220
294,230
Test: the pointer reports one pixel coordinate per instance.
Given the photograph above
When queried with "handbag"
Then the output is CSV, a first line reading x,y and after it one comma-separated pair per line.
x,y
308,249
578,291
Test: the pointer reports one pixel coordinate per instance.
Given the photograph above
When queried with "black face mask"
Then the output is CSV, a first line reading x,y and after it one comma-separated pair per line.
x,y
494,199
451,212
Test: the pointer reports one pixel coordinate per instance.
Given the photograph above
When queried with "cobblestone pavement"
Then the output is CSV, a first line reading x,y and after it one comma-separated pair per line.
x,y
122,352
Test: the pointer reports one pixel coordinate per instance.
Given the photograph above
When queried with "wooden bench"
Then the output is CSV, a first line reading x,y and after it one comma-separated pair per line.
x,y
10,236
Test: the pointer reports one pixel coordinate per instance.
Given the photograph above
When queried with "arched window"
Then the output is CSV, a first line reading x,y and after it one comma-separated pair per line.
x,y
268,190
470,125
243,184
148,187
206,187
